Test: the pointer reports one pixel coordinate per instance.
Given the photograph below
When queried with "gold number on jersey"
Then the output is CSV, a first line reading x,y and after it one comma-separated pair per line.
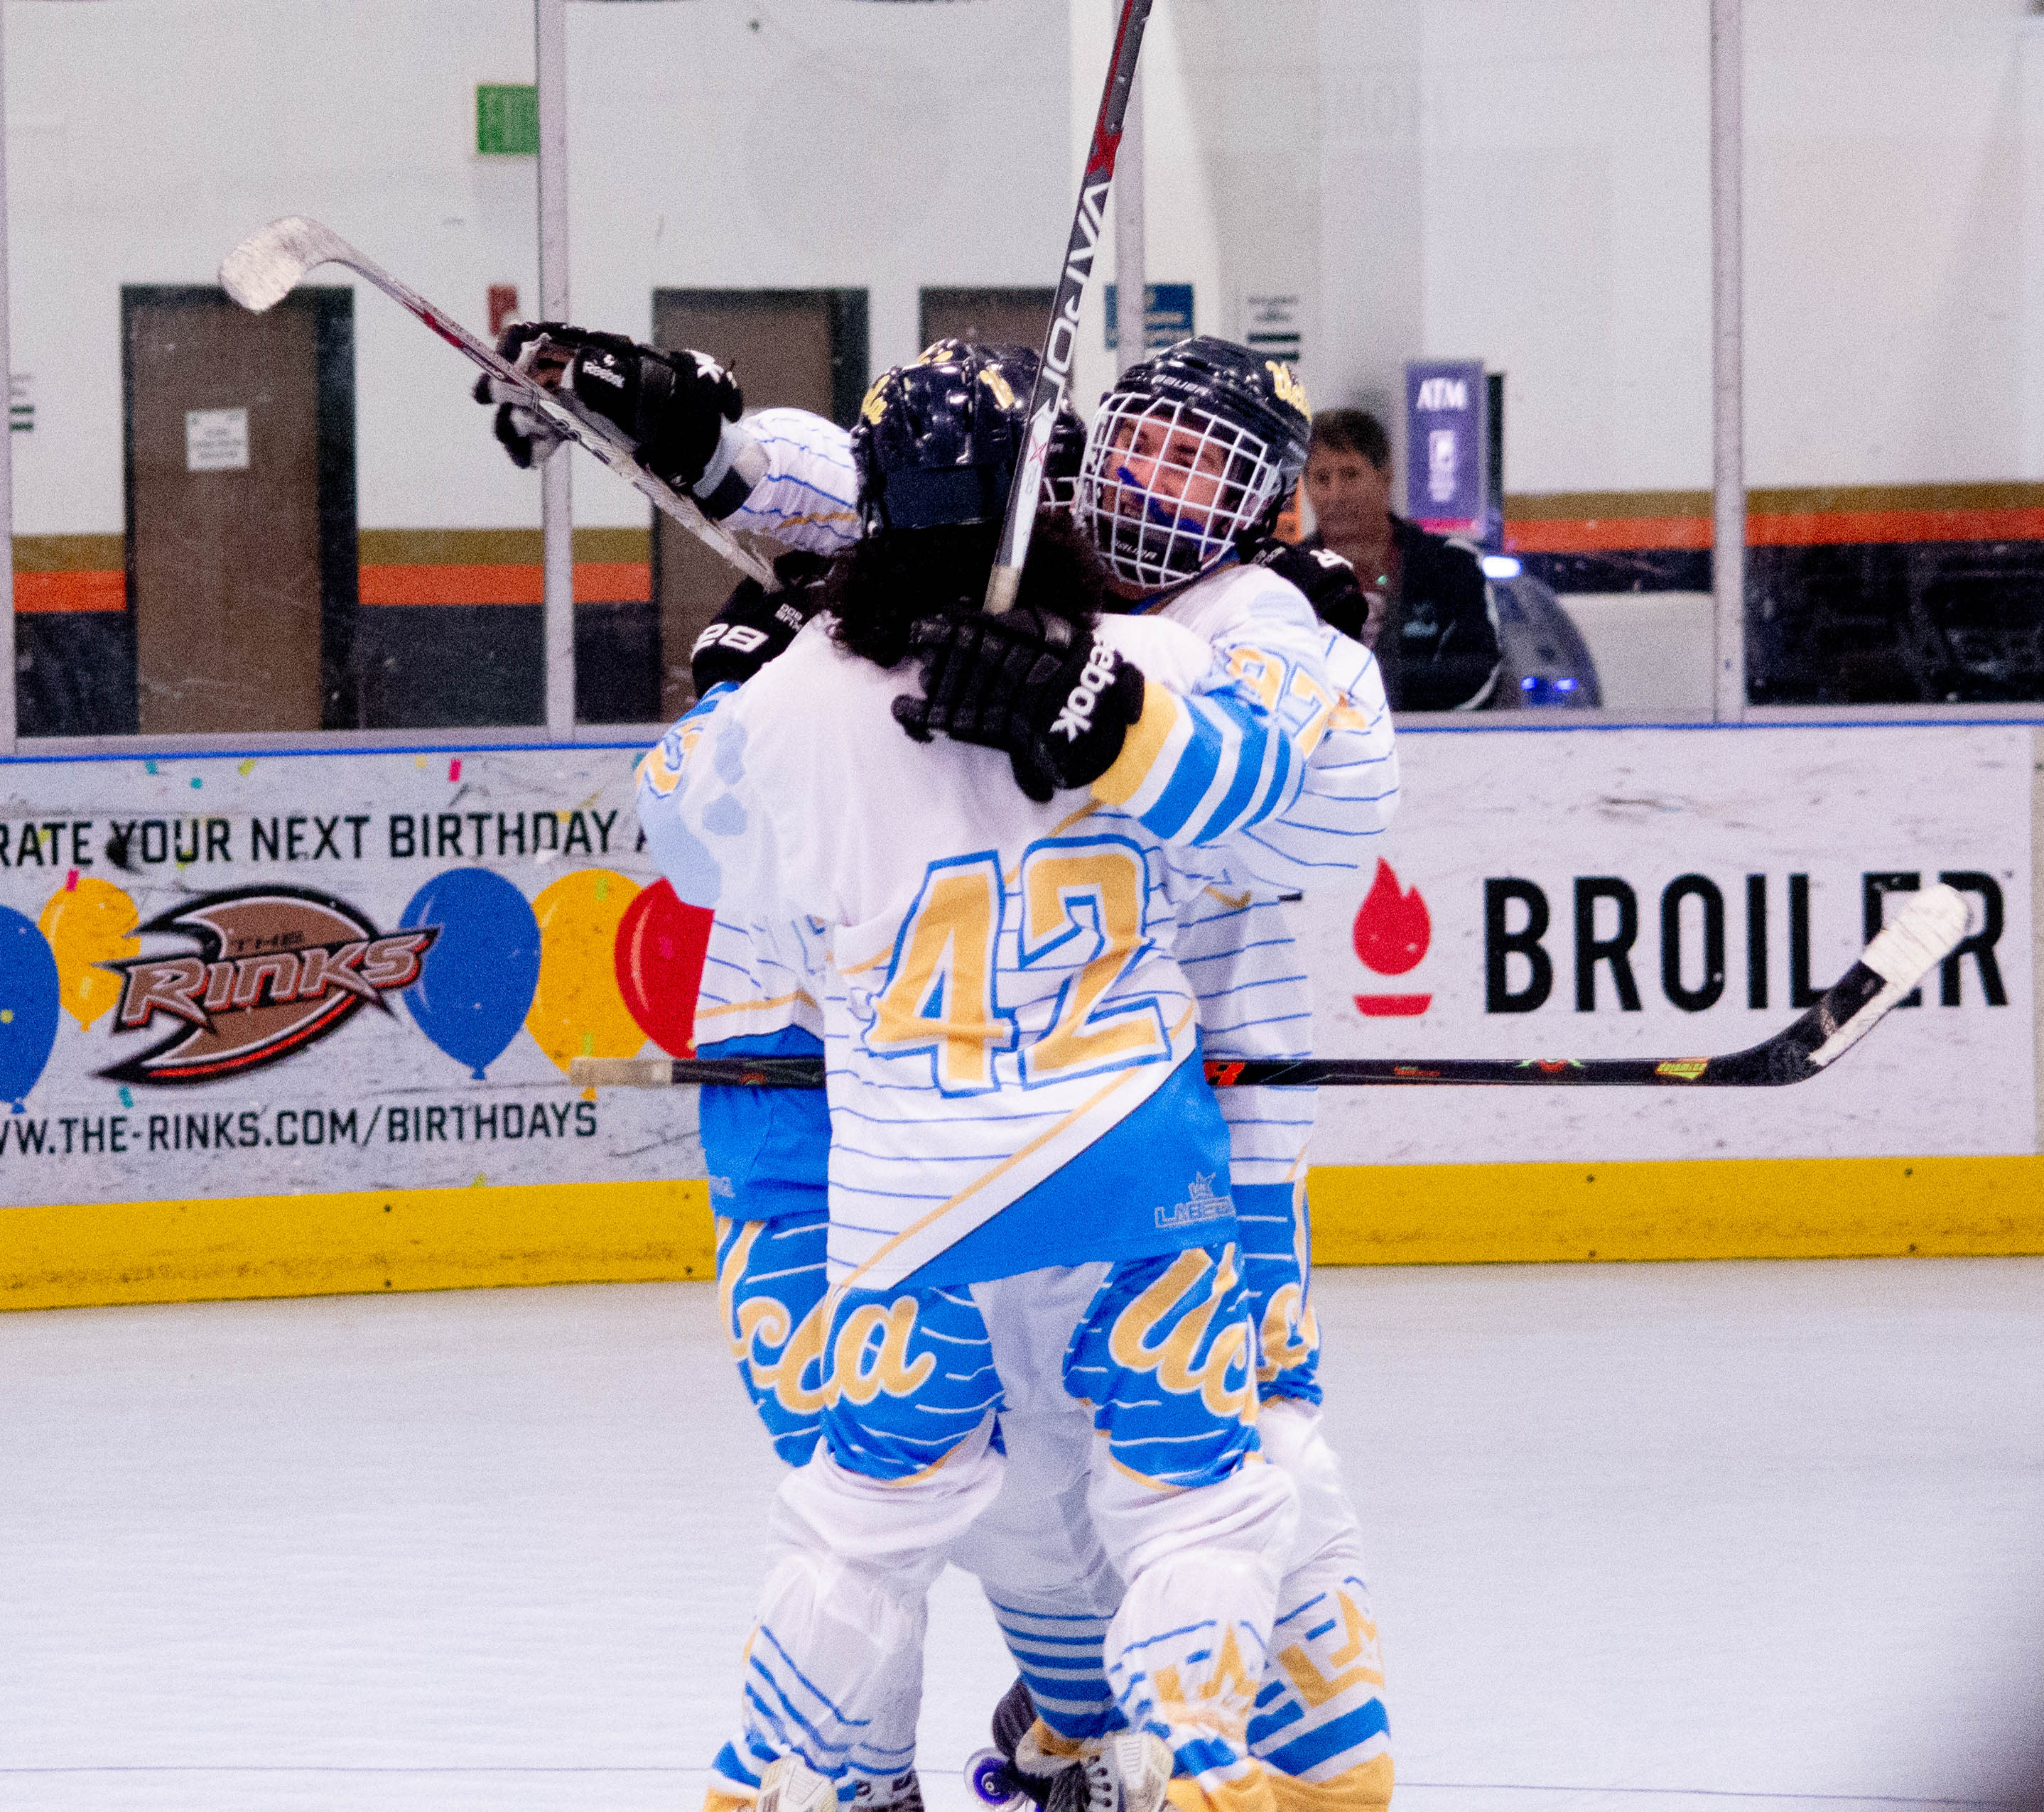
x,y
1320,710
938,995
1073,890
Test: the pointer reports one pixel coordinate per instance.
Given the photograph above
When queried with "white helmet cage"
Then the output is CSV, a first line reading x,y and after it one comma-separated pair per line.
x,y
1165,487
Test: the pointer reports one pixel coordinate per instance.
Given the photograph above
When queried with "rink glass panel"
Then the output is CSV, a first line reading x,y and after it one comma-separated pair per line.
x,y
788,348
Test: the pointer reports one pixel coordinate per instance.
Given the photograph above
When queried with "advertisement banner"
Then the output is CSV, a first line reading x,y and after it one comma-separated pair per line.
x,y
322,972
1679,893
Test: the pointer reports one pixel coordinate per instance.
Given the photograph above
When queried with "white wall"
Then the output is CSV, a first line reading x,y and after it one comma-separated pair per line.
x,y
793,143
1892,177
1521,180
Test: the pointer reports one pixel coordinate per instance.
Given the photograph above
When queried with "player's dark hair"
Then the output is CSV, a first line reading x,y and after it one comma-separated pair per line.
x,y
1352,431
879,590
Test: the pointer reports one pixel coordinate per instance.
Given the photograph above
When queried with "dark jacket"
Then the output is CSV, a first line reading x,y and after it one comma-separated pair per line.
x,y
1438,648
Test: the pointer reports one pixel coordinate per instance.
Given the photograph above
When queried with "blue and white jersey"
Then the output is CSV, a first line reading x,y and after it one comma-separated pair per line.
x,y
1239,945
804,486
759,979
1008,995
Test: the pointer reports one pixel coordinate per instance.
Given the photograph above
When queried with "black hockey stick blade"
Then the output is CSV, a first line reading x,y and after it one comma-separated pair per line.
x,y
267,265
1927,931
1054,374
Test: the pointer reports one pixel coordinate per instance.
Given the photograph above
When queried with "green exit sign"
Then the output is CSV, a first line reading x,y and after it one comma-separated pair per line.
x,y
507,119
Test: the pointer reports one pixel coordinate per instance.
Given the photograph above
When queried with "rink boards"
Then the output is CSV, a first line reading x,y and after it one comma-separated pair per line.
x,y
287,1022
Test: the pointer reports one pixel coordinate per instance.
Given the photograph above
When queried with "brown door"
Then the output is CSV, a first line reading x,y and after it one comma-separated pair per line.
x,y
224,513
987,317
788,348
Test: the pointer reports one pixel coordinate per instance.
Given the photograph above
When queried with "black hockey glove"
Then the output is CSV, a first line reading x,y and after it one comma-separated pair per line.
x,y
1328,581
755,625
672,406
526,437
1058,701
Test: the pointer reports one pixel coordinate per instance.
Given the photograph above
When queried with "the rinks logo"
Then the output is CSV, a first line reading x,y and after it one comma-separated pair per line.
x,y
1076,718
277,968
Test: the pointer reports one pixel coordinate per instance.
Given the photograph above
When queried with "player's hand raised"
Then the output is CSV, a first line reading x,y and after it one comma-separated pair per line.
x,y
1055,698
529,345
671,405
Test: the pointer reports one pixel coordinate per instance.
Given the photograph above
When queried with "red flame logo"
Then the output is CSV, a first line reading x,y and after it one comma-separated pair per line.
x,y
1391,933
1393,930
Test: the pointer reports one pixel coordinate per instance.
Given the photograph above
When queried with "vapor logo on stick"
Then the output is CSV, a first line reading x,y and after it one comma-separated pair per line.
x,y
277,969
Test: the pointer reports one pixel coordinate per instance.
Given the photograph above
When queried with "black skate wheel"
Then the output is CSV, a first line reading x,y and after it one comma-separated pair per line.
x,y
993,1782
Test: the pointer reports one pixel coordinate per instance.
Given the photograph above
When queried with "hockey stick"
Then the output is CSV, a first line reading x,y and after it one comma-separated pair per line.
x,y
271,262
1053,374
1927,931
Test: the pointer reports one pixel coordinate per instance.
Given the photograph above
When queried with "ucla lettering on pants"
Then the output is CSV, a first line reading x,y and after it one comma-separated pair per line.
x,y
1164,1355
1273,1226
770,1280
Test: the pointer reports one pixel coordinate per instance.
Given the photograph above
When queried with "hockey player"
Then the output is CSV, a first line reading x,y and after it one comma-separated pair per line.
x,y
1011,1087
1187,459
1254,1002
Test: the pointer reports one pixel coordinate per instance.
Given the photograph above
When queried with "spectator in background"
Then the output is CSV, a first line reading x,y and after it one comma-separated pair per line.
x,y
1430,617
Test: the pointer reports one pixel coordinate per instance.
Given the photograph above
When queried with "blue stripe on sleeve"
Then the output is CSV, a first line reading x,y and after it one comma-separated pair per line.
x,y
1249,758
1198,763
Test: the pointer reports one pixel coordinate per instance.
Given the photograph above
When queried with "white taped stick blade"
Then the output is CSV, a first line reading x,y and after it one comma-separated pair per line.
x,y
620,1071
1927,931
267,265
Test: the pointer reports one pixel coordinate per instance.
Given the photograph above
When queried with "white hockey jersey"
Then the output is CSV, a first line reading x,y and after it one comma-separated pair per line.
x,y
1238,945
1008,997
761,979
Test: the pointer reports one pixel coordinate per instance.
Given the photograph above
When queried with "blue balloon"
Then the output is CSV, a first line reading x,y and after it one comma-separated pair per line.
x,y
476,983
28,998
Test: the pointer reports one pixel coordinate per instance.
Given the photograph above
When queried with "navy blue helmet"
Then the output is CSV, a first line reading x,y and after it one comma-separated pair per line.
x,y
937,442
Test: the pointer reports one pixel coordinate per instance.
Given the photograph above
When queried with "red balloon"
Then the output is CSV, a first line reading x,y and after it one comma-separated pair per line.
x,y
660,945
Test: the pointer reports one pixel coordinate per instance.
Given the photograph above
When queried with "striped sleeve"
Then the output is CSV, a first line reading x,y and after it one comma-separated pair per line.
x,y
1202,766
807,495
1350,788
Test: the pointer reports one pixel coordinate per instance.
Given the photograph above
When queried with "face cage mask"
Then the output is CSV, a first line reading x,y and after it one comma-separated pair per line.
x,y
1151,519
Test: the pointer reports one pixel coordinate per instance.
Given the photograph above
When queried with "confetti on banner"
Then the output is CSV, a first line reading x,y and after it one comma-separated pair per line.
x,y
150,766
454,768
248,766
71,881
197,783
127,1100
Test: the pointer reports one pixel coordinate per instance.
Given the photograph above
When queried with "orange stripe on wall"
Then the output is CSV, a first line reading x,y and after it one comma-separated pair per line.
x,y
45,594
1837,527
1612,533
1784,528
596,581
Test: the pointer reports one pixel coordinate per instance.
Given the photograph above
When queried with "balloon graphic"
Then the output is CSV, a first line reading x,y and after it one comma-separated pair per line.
x,y
88,924
27,1005
660,947
478,975
578,1011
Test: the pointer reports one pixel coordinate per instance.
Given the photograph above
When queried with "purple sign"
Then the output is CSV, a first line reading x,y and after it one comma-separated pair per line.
x,y
1444,445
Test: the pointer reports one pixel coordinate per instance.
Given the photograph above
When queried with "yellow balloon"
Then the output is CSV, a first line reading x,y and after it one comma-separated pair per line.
x,y
577,1009
86,925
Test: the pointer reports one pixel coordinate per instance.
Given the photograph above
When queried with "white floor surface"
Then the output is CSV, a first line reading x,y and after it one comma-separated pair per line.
x,y
1669,1537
